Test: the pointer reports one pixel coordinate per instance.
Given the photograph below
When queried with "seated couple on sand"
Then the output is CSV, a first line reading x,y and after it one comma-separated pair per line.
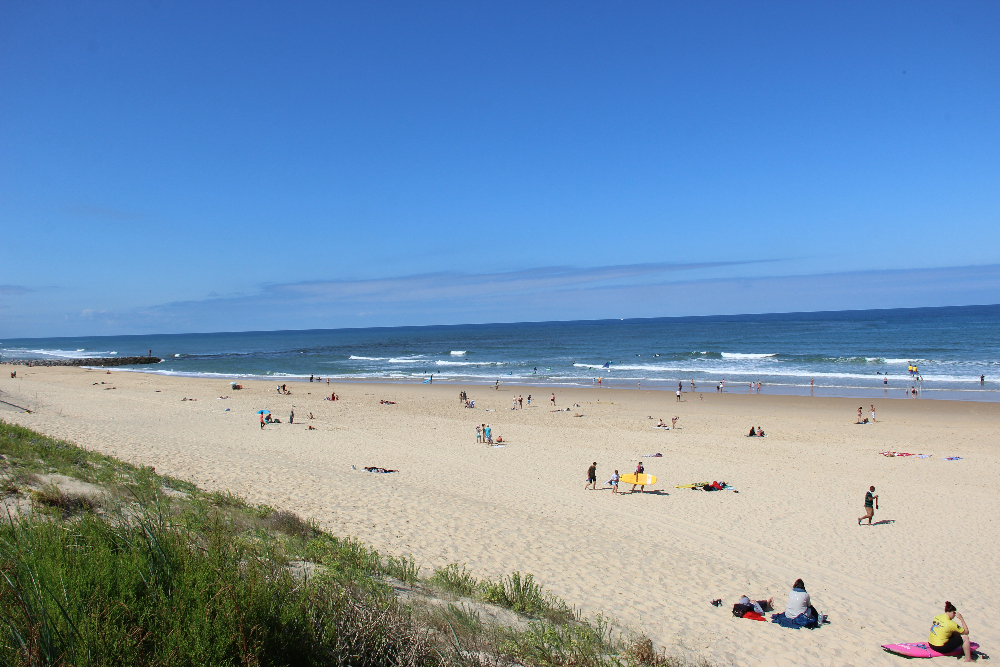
x,y
759,433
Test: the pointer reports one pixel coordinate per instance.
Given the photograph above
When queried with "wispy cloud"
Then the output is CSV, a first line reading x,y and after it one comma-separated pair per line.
x,y
452,285
13,290
548,293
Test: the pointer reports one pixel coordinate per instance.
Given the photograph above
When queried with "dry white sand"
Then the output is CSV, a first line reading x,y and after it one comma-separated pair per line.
x,y
652,560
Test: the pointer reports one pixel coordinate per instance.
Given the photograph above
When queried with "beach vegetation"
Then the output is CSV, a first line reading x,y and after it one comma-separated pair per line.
x,y
152,570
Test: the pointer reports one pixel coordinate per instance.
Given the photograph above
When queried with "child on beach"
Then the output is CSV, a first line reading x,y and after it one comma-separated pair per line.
x,y
614,483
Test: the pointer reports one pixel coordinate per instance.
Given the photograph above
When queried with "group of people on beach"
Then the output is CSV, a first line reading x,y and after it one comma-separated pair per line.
x,y
615,479
484,434
865,420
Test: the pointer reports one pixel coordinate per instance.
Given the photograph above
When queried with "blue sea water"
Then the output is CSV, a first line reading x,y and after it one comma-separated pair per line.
x,y
848,353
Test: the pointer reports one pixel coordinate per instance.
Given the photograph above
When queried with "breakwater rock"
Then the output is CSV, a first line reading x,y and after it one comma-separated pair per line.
x,y
94,361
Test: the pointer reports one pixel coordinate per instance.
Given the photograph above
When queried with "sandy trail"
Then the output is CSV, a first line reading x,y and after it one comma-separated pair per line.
x,y
653,560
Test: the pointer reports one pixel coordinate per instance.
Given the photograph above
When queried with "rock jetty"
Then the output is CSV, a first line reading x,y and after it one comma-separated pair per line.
x,y
94,361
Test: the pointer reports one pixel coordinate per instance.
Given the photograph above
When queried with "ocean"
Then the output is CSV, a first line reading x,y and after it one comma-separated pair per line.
x,y
863,353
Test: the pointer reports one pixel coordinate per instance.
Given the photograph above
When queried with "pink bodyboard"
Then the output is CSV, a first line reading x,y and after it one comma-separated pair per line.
x,y
921,650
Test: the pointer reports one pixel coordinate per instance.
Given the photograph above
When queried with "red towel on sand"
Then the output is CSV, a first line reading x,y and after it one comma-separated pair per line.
x,y
754,616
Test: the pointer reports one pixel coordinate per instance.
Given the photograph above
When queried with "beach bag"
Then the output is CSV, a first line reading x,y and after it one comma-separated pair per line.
x,y
740,609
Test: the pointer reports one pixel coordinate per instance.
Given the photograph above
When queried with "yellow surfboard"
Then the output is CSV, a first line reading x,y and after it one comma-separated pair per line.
x,y
642,480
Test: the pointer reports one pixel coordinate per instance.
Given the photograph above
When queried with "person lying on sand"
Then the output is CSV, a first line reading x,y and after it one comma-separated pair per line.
x,y
759,606
376,469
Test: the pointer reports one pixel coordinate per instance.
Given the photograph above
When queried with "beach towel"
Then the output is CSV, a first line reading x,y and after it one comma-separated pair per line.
x,y
803,620
896,454
754,616
924,456
953,458
656,455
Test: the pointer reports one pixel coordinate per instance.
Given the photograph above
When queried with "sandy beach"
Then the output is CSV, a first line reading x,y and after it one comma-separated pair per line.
x,y
653,560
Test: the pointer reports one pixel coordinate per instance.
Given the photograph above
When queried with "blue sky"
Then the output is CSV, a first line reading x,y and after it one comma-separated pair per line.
x,y
172,166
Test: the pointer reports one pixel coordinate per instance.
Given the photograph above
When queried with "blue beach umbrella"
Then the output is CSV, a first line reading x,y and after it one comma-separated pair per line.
x,y
263,412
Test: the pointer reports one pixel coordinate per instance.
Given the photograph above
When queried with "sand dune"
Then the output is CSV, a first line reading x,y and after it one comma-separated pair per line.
x,y
653,560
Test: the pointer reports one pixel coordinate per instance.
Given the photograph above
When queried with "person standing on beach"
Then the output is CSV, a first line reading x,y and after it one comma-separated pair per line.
x,y
614,483
479,434
591,477
871,504
291,417
873,414
520,402
678,395
262,421
488,434
553,399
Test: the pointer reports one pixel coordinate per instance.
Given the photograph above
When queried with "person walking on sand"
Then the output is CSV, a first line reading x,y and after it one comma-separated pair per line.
x,y
614,483
871,504
520,402
947,636
873,414
639,470
591,477
678,395
479,434
553,399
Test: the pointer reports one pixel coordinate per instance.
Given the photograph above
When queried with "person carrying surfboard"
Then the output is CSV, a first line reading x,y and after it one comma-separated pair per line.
x,y
638,471
947,635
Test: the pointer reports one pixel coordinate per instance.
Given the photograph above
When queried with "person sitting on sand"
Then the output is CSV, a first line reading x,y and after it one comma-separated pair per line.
x,y
760,432
799,603
753,433
660,424
947,636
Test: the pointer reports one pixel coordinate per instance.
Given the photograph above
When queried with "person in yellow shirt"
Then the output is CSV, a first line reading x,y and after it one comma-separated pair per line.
x,y
948,636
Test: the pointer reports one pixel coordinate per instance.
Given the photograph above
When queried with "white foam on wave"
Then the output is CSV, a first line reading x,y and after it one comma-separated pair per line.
x,y
460,363
357,358
746,355
404,360
458,353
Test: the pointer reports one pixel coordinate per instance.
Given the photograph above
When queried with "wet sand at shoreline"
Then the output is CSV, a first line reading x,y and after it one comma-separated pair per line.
x,y
653,560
